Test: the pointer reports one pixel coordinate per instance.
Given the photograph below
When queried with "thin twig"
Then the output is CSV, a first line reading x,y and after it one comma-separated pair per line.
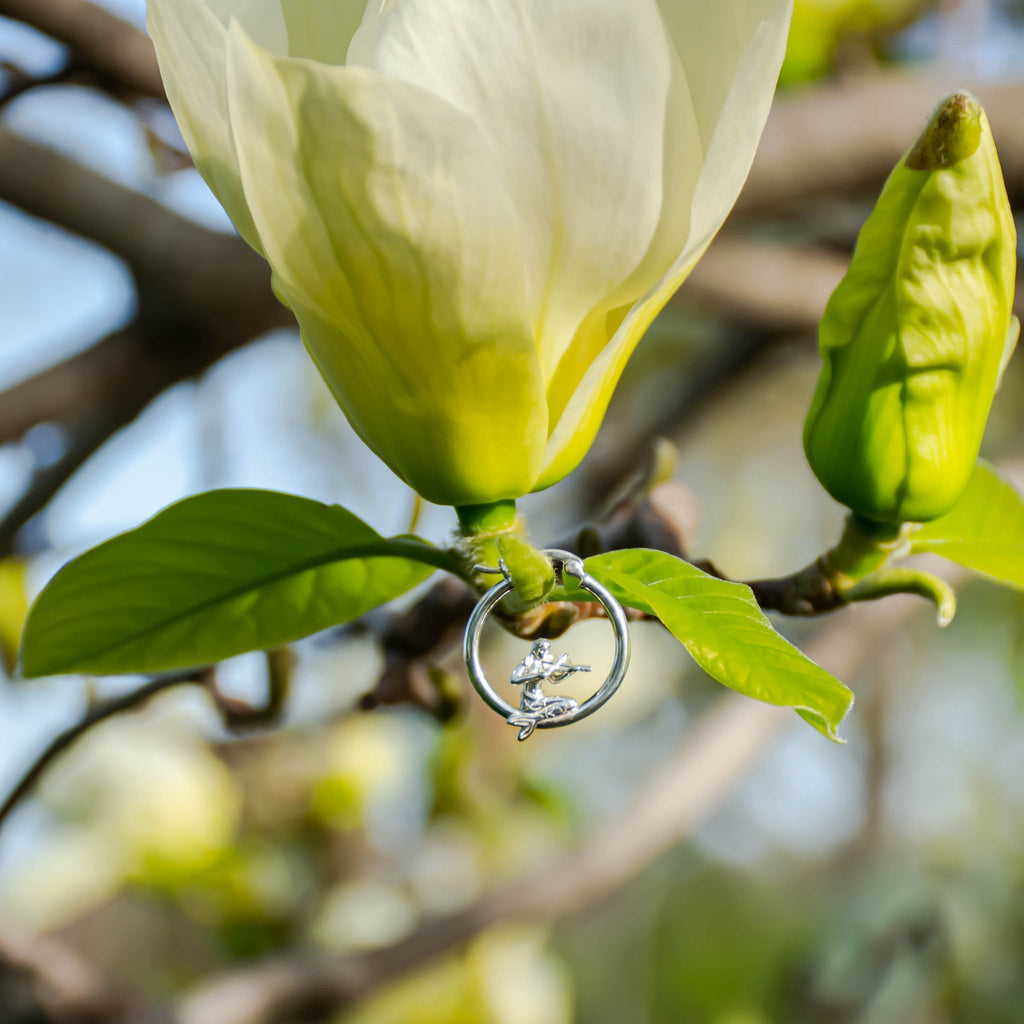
x,y
46,481
97,38
239,715
21,82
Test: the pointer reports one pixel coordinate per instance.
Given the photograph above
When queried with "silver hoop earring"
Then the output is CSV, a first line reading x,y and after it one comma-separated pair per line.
x,y
538,709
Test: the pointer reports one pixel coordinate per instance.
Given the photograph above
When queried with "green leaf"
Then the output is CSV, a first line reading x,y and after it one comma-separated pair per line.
x,y
984,530
726,633
213,576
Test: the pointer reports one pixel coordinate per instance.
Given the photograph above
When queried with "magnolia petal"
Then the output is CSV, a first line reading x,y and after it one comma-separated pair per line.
x,y
191,48
264,20
1010,346
747,41
381,211
573,95
683,158
575,432
320,29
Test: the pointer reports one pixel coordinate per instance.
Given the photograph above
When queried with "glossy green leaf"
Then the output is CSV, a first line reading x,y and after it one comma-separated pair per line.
x,y
983,531
213,576
725,631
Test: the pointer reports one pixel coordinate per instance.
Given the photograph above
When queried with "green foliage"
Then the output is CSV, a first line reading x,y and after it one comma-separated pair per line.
x,y
213,576
984,531
725,632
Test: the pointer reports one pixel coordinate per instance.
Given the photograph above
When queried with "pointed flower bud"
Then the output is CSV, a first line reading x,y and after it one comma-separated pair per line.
x,y
915,337
474,209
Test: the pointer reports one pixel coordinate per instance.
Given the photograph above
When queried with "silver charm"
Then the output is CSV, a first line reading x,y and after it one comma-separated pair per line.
x,y
537,709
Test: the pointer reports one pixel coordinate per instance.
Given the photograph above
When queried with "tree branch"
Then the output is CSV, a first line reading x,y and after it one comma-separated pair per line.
x,y
46,481
44,982
99,391
201,294
846,135
96,37
20,82
201,272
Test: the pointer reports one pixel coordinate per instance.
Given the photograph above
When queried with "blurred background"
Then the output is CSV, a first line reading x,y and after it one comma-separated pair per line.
x,y
685,856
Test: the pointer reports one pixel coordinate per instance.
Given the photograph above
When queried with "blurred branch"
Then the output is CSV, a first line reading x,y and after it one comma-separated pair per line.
x,y
201,294
47,480
20,82
44,982
105,377
97,38
239,715
769,286
184,269
94,394
847,135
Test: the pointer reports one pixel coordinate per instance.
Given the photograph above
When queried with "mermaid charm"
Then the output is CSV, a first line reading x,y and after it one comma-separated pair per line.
x,y
536,709
540,666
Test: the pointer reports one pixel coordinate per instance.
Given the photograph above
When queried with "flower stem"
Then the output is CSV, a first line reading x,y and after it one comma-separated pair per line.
x,y
496,534
483,519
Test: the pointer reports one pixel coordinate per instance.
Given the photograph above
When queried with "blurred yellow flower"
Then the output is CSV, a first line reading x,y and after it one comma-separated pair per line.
x,y
475,208
140,799
483,986
820,27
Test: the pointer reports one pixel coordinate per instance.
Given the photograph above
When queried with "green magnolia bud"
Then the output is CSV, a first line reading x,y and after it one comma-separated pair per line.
x,y
915,337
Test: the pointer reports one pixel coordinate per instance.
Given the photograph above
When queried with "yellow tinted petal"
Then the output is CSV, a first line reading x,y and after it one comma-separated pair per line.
x,y
381,212
321,29
573,95
731,52
264,20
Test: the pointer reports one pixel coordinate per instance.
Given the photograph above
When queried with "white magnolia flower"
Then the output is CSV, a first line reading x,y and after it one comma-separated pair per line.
x,y
474,207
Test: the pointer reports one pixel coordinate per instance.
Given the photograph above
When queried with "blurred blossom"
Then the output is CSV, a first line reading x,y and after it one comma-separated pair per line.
x,y
156,788
370,761
820,26
364,914
139,799
447,874
505,977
